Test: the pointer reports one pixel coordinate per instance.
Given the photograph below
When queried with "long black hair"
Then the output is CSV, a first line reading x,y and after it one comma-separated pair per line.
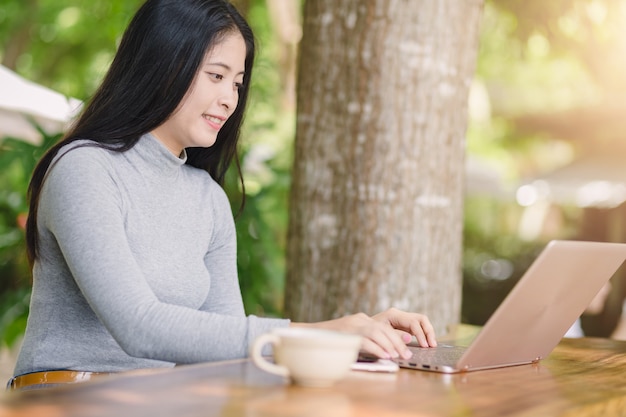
x,y
154,67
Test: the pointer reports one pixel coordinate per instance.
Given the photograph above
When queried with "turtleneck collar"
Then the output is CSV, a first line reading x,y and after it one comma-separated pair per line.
x,y
156,155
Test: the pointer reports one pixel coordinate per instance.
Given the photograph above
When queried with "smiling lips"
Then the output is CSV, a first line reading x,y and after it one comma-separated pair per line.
x,y
214,121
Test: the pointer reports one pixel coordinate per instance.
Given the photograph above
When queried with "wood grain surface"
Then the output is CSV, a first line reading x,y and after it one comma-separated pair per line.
x,y
582,377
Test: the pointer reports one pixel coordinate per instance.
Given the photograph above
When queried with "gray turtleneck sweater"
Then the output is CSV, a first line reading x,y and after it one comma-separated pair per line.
x,y
137,266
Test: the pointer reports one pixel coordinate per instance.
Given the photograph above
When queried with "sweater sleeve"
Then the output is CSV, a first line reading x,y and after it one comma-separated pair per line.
x,y
81,207
221,262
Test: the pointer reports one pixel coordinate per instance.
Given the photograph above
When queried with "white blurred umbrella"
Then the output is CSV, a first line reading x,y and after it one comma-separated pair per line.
x,y
594,180
22,101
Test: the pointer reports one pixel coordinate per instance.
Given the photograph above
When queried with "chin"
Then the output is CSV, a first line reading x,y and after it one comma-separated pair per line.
x,y
205,143
208,144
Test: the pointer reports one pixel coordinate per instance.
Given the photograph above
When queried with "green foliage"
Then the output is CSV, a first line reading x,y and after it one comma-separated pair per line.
x,y
260,243
66,45
531,62
14,307
17,161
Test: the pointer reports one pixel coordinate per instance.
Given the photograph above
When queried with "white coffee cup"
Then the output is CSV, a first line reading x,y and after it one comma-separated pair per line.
x,y
309,357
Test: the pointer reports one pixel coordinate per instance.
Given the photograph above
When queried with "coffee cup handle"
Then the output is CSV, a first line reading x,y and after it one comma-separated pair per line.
x,y
260,361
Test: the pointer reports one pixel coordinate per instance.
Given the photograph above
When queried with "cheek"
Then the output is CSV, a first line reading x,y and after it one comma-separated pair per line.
x,y
192,100
188,109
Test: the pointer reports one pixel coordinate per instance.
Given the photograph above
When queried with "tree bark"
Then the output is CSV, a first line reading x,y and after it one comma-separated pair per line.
x,y
376,207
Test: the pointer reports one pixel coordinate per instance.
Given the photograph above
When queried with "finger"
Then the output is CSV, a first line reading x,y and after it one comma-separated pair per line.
x,y
397,339
400,320
417,324
407,337
372,348
388,339
424,332
431,337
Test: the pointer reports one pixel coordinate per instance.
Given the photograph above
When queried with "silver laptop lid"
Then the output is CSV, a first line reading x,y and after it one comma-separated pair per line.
x,y
546,301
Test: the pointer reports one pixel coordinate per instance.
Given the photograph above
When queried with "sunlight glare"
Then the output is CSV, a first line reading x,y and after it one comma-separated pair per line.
x,y
601,194
529,194
597,12
538,45
68,17
568,26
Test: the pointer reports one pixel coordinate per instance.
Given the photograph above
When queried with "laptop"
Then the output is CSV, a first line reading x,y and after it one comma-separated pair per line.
x,y
537,312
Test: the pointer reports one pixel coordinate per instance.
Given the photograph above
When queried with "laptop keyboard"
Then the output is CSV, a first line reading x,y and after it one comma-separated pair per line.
x,y
440,355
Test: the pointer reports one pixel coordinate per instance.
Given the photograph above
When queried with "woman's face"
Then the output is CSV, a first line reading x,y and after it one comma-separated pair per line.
x,y
211,99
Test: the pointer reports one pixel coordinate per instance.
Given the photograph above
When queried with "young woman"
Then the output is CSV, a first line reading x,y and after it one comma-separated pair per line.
x,y
132,238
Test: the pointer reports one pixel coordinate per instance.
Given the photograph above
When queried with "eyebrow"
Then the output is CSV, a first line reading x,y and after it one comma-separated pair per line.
x,y
225,66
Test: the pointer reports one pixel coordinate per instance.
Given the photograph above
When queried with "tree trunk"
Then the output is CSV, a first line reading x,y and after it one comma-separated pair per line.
x,y
376,207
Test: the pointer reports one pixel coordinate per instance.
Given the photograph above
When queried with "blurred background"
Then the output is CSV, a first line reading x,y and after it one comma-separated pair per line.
x,y
544,145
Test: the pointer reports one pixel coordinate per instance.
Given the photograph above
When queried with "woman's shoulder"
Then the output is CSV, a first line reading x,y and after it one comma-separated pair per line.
x,y
81,158
81,150
200,177
208,191
204,183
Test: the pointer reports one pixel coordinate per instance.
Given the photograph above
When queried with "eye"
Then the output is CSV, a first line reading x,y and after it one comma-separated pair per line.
x,y
215,76
238,86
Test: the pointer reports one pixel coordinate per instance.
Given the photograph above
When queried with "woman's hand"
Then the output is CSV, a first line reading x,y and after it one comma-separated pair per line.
x,y
386,334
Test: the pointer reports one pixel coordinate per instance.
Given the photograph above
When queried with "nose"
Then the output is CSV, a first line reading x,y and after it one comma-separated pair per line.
x,y
228,98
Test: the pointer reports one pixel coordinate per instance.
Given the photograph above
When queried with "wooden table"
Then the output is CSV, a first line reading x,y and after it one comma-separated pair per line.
x,y
582,377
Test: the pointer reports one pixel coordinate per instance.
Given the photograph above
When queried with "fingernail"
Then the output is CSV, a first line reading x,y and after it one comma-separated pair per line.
x,y
407,338
407,354
394,354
